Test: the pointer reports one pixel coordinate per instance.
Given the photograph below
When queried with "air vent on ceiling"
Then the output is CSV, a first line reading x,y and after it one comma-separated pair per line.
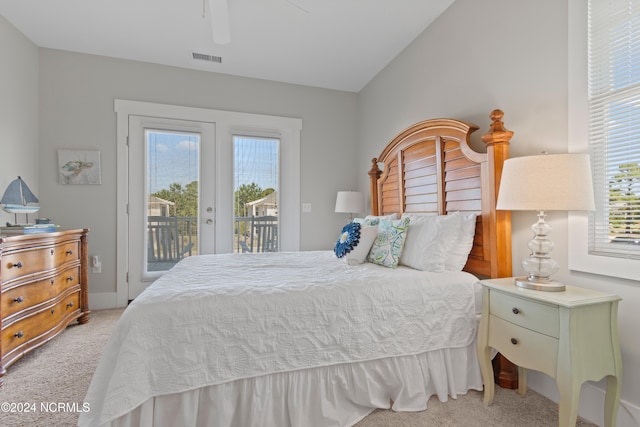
x,y
205,57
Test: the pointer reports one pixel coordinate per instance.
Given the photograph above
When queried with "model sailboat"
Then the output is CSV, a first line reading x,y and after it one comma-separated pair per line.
x,y
17,198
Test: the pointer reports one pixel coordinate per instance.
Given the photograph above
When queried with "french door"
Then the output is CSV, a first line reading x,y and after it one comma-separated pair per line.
x,y
211,138
171,195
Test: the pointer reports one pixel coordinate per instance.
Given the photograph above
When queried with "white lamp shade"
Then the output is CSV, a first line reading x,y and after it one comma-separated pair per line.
x,y
546,183
350,202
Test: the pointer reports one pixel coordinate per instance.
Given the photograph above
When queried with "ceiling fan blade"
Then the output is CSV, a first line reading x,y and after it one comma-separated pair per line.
x,y
303,5
220,21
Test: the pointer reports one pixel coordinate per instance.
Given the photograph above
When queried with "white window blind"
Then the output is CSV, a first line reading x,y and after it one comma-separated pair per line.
x,y
614,126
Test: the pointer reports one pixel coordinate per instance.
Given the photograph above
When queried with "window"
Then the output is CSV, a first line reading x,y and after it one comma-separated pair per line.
x,y
580,258
172,197
614,126
255,194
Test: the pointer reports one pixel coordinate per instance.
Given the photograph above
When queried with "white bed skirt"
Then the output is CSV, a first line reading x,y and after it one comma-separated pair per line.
x,y
339,395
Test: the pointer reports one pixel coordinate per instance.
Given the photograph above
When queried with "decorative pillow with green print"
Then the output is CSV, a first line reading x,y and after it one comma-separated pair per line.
x,y
374,219
388,245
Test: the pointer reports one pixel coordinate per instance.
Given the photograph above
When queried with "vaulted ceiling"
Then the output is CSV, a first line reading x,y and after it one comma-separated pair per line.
x,y
335,44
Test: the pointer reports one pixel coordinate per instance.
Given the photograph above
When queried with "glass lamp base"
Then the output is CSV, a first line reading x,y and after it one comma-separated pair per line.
x,y
539,284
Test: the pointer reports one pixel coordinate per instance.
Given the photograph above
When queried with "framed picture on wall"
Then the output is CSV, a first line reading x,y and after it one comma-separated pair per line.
x,y
79,167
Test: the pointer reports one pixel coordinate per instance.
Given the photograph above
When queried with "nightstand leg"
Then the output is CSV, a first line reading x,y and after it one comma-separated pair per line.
x,y
568,408
611,401
484,351
522,380
484,356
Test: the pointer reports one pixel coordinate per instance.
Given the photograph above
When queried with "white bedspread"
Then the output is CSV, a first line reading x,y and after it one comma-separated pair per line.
x,y
219,318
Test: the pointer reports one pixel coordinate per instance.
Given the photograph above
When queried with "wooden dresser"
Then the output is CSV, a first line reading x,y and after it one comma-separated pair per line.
x,y
44,280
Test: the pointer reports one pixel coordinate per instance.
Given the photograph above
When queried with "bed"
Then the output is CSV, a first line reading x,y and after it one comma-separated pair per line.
x,y
305,338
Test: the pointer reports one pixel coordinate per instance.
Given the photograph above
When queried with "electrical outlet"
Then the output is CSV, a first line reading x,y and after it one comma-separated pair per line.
x,y
306,207
96,264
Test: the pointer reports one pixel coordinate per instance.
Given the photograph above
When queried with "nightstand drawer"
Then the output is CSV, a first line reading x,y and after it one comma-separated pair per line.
x,y
537,316
524,347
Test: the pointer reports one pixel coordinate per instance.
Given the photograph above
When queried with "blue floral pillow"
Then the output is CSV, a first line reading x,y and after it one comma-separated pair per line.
x,y
388,245
349,238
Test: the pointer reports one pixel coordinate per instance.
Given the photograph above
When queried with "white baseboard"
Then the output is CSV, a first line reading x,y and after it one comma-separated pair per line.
x,y
591,406
102,300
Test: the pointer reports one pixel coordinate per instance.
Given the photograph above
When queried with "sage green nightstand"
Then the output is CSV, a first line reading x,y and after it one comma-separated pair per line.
x,y
571,336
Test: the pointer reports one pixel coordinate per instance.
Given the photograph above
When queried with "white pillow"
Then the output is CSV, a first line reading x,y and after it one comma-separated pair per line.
x,y
359,253
459,253
429,240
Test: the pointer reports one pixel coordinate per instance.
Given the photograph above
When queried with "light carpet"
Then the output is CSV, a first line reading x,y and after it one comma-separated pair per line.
x,y
51,383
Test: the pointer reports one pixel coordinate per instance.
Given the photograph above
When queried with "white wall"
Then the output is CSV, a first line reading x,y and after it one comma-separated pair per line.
x,y
511,55
18,112
77,94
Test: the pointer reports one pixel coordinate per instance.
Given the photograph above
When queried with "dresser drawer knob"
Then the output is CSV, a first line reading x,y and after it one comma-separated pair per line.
x,y
19,334
69,252
69,305
16,265
18,300
70,278
515,310
514,341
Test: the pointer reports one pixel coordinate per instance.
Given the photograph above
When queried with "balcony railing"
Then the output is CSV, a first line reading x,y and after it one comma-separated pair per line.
x,y
172,238
256,234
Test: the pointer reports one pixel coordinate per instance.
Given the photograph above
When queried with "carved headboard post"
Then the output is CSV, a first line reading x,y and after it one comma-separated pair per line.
x,y
497,140
374,174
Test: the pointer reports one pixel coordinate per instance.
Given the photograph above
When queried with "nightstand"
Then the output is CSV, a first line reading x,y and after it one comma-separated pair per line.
x,y
571,336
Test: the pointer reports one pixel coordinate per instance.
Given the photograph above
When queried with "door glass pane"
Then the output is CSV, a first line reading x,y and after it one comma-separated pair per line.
x,y
173,161
255,194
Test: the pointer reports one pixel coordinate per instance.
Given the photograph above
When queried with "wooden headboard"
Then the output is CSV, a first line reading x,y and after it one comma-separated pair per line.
x,y
430,167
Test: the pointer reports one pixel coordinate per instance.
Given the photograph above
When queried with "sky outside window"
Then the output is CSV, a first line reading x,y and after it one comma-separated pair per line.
x,y
172,158
255,161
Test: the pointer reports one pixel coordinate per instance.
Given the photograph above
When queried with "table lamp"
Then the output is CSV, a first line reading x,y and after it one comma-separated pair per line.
x,y
349,202
548,182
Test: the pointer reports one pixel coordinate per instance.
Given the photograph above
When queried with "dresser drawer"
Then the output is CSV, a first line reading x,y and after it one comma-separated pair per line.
x,y
30,294
34,327
537,316
524,347
25,262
